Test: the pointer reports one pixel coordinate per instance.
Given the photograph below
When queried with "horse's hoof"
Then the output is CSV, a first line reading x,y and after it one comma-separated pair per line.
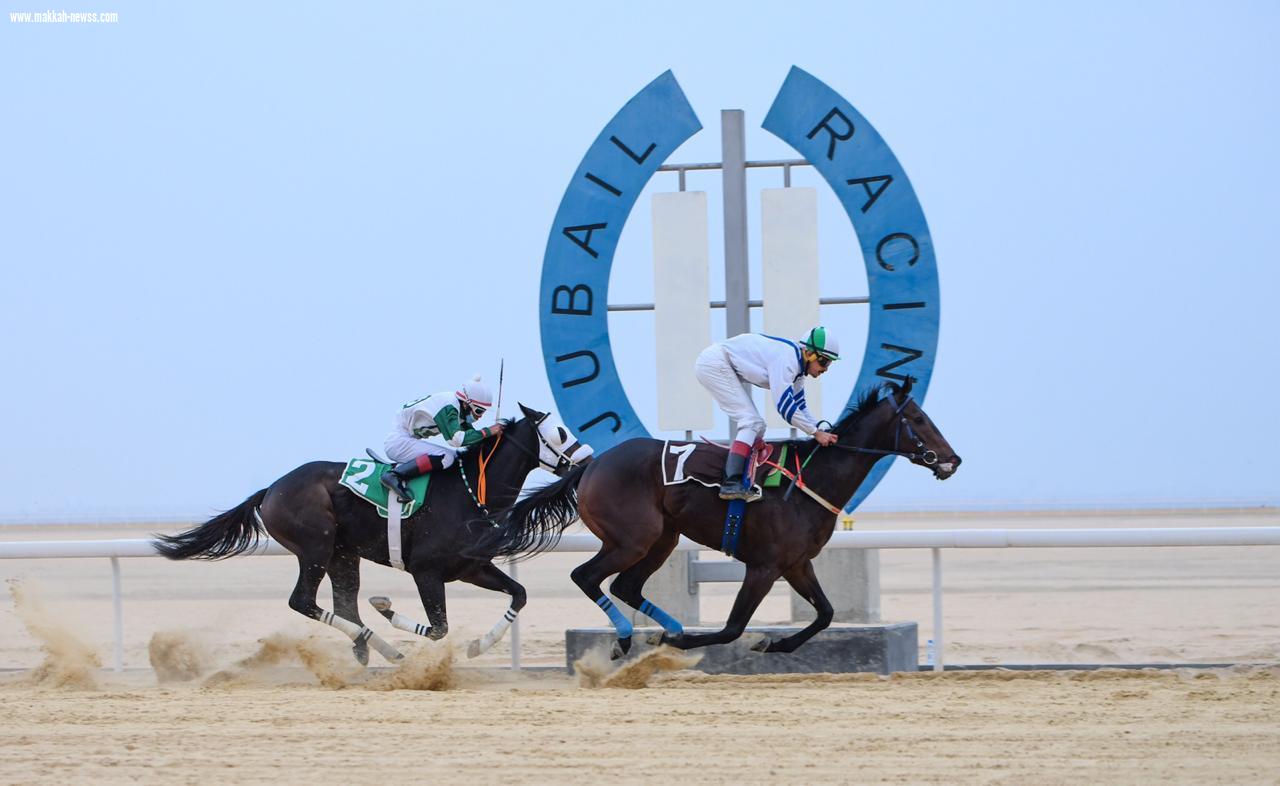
x,y
361,651
380,602
473,648
762,645
655,639
620,647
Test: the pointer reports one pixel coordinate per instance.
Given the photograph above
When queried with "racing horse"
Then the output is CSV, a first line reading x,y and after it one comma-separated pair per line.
x,y
330,530
622,498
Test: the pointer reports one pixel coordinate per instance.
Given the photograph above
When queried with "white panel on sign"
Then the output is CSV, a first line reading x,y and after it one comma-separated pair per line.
x,y
681,307
789,258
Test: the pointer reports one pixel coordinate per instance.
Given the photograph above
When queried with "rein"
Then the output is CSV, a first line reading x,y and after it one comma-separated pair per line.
x,y
564,461
927,457
482,498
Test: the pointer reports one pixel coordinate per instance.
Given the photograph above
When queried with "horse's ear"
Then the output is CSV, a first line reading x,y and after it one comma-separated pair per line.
x,y
906,386
531,414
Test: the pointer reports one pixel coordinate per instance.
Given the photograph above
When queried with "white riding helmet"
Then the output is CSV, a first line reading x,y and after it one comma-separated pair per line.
x,y
821,341
475,394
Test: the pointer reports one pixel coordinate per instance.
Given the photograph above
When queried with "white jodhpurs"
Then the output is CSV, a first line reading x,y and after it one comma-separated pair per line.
x,y
713,370
406,447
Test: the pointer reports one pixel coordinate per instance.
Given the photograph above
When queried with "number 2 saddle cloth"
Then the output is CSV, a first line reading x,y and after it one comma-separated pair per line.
x,y
703,463
364,478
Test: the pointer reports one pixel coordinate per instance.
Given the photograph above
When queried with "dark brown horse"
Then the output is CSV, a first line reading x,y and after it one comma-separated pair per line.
x,y
330,530
621,498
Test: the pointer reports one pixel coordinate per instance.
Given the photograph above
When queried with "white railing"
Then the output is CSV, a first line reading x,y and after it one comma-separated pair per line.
x,y
935,540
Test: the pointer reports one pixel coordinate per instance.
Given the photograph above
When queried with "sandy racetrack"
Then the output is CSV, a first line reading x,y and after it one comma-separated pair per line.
x,y
228,686
1015,727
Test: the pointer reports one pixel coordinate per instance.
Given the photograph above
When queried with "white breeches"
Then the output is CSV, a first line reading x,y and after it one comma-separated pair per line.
x,y
714,371
401,446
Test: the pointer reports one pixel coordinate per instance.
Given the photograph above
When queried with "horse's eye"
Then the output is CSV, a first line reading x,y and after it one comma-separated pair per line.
x,y
920,419
564,435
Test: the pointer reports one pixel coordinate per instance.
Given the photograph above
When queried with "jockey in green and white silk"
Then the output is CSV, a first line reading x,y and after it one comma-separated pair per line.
x,y
448,415
778,365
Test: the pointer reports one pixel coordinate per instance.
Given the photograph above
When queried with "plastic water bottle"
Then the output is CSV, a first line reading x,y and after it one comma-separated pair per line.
x,y
928,652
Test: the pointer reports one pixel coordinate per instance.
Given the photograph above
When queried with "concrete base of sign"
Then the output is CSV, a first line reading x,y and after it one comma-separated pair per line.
x,y
881,649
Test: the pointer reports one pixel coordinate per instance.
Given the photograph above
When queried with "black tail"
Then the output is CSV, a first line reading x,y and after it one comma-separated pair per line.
x,y
535,523
222,536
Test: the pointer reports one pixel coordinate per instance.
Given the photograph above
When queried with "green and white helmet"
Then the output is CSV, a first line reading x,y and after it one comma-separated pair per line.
x,y
821,341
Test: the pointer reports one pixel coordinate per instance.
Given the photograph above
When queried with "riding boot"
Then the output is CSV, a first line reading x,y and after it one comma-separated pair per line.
x,y
731,486
396,479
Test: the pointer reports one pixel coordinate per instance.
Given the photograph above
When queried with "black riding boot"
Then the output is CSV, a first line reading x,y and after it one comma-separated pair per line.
x,y
396,479
731,482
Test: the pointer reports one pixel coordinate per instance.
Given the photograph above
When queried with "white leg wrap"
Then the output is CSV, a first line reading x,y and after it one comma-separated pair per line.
x,y
494,636
401,622
357,632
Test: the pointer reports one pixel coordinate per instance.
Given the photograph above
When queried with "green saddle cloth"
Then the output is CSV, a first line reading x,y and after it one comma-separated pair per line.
x,y
364,478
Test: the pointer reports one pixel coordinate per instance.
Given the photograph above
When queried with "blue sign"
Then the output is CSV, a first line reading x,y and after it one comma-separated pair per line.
x,y
855,161
902,274
575,269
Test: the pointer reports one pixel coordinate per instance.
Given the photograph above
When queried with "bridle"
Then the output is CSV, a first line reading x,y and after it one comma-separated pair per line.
x,y
564,458
925,456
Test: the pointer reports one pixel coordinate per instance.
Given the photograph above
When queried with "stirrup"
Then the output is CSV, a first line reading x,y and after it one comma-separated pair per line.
x,y
396,485
736,490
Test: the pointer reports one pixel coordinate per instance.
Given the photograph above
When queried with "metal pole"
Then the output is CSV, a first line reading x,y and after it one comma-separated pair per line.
x,y
117,605
939,648
733,156
733,145
514,572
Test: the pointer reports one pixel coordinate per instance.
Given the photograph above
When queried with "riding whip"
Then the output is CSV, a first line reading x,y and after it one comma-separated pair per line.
x,y
497,410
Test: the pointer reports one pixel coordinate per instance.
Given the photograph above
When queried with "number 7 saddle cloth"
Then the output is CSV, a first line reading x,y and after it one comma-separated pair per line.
x,y
703,462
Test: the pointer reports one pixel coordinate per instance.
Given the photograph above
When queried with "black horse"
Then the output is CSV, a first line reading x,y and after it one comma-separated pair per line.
x,y
330,530
621,497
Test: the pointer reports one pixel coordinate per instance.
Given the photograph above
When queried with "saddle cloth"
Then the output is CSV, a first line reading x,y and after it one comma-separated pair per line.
x,y
364,478
703,463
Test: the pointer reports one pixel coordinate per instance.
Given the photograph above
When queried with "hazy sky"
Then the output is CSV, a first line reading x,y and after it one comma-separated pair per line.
x,y
236,237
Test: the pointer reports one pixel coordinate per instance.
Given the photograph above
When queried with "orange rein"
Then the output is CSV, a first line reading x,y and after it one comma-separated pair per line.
x,y
480,485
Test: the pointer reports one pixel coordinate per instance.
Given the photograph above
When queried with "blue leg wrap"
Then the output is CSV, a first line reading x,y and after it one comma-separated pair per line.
x,y
669,623
620,623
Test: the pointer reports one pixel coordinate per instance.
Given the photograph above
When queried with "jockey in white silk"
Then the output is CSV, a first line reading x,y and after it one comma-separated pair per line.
x,y
778,365
448,415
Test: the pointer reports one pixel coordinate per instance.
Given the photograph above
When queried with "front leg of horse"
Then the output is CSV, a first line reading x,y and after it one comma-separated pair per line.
x,y
755,586
491,578
805,582
399,621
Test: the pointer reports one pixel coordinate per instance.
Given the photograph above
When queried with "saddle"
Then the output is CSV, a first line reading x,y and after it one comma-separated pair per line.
x,y
362,477
703,463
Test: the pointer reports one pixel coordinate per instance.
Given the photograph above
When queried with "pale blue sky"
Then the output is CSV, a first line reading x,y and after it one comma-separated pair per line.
x,y
213,216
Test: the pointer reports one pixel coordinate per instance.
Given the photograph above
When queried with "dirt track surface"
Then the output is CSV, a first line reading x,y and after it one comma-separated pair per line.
x,y
259,694
978,727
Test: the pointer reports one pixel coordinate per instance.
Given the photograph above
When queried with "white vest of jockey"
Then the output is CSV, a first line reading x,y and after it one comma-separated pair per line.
x,y
777,365
437,414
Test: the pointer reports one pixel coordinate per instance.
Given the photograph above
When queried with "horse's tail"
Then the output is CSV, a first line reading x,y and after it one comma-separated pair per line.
x,y
535,523
225,535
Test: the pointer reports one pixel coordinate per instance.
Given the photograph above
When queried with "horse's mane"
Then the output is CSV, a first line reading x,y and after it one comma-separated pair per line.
x,y
867,401
472,454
